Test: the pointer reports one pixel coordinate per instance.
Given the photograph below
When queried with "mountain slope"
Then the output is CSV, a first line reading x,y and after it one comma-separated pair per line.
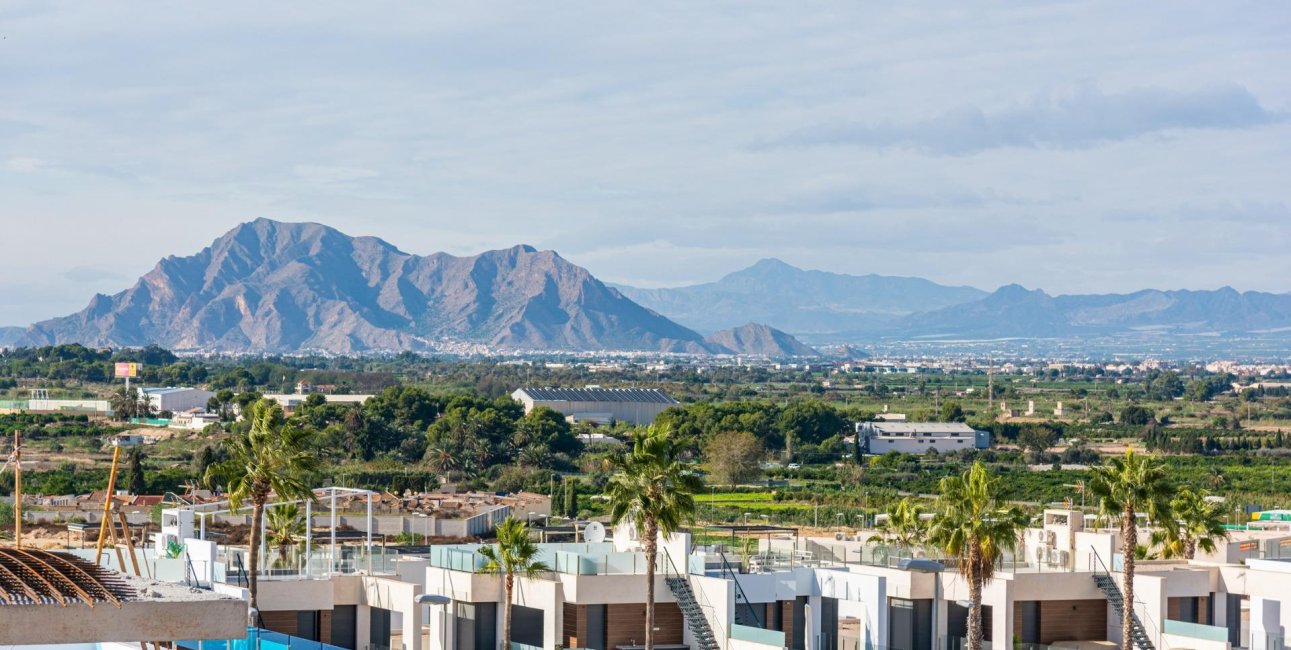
x,y
267,286
798,301
1012,311
9,335
758,340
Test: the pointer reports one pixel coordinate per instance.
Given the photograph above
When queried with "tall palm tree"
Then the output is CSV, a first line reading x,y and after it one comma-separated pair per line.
x,y
656,492
270,458
286,529
513,555
1199,523
1126,485
975,527
903,526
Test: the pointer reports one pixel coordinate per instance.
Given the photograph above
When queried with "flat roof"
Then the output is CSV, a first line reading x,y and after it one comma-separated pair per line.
x,y
166,390
640,395
922,427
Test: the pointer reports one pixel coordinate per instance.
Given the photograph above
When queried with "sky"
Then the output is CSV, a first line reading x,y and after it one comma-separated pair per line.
x,y
1071,146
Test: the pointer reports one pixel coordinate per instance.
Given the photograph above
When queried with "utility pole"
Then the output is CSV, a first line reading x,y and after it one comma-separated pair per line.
x,y
17,488
990,387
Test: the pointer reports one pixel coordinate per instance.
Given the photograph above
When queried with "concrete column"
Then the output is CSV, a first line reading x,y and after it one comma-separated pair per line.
x,y
551,626
333,562
813,624
1266,624
309,537
362,625
941,607
1002,617
412,627
441,626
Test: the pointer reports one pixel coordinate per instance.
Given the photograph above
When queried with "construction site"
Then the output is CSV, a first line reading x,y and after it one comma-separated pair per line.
x,y
173,570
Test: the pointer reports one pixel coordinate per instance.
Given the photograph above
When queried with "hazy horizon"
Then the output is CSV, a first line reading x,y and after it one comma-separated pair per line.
x,y
1084,147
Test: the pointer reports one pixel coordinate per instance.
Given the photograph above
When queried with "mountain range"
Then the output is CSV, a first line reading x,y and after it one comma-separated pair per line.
x,y
1013,311
268,286
800,301
823,307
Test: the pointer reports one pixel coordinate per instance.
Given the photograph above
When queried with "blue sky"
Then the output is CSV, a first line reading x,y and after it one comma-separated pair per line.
x,y
1075,147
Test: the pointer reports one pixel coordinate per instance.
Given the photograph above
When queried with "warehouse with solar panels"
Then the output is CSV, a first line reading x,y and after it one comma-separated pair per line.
x,y
636,406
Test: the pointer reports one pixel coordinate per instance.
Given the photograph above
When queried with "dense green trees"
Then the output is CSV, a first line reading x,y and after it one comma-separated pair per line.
x,y
1135,415
798,427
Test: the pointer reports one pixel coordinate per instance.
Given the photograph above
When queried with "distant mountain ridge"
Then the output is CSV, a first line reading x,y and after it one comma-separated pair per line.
x,y
268,286
11,335
798,301
823,307
1013,311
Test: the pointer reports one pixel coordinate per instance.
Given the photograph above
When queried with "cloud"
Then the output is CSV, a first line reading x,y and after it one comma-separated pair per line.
x,y
1077,118
24,164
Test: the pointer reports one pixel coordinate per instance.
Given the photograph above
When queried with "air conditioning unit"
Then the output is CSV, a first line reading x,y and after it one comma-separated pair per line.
x,y
840,537
1041,554
1051,537
1063,557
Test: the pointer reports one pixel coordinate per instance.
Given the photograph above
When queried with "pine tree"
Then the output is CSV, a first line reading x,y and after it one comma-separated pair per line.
x,y
138,485
571,498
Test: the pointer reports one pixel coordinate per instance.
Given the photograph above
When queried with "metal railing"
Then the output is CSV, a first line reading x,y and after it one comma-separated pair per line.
x,y
727,570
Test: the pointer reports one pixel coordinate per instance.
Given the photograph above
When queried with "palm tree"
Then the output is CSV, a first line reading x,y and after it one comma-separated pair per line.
x,y
270,458
286,529
513,555
975,527
1199,523
903,526
1216,478
1127,485
656,492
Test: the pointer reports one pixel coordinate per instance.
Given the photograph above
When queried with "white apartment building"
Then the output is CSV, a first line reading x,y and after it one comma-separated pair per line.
x,y
919,437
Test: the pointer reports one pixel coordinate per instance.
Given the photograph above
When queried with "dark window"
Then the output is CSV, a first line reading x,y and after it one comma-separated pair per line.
x,y
596,639
477,626
526,625
343,626
379,634
307,624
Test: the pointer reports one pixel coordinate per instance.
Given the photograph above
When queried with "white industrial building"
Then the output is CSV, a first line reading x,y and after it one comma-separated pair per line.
x,y
918,437
636,406
176,399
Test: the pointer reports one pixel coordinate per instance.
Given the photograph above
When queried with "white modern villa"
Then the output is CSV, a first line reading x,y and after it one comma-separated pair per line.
x,y
786,591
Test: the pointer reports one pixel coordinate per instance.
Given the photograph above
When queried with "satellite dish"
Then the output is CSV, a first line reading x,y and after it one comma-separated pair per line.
x,y
594,532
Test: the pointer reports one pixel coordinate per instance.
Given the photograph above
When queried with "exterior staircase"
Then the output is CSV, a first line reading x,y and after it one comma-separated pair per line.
x,y
692,612
1108,585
